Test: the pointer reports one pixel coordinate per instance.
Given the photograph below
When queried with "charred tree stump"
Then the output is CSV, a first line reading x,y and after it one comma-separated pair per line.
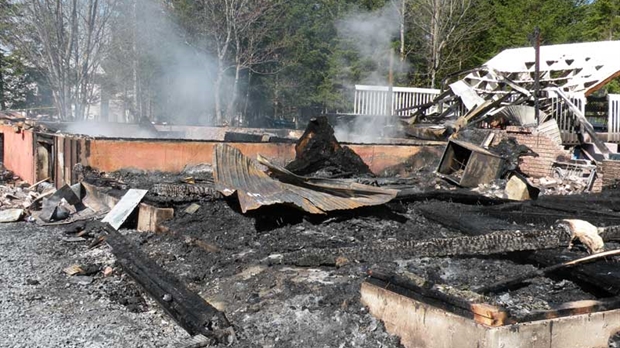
x,y
187,308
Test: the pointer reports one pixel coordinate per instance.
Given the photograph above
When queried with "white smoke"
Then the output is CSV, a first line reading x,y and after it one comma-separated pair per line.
x,y
372,34
176,76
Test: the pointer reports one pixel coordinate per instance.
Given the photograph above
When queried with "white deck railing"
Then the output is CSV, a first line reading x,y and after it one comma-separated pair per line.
x,y
373,100
613,120
563,115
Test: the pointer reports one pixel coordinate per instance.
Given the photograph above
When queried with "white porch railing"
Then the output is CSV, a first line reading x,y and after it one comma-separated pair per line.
x,y
563,115
373,100
613,120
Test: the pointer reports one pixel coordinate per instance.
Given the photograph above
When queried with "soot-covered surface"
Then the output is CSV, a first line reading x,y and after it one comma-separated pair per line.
x,y
218,252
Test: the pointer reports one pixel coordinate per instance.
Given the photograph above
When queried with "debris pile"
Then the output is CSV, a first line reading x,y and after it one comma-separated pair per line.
x,y
318,153
18,199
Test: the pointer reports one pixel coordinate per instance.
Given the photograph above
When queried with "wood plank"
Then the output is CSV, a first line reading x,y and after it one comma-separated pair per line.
x,y
187,308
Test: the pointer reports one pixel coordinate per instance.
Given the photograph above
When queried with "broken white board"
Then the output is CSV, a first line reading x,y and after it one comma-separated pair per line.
x,y
468,95
11,215
121,211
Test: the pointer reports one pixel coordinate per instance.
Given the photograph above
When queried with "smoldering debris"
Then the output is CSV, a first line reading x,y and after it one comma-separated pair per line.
x,y
318,153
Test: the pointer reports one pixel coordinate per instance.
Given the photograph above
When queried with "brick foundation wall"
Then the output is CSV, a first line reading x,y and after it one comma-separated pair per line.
x,y
610,173
548,151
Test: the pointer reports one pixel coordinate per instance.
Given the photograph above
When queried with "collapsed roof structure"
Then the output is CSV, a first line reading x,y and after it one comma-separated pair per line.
x,y
575,68
503,92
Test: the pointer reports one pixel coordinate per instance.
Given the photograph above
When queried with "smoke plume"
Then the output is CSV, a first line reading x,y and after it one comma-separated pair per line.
x,y
371,34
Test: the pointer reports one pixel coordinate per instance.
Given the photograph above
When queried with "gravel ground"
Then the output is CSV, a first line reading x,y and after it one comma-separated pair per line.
x,y
41,306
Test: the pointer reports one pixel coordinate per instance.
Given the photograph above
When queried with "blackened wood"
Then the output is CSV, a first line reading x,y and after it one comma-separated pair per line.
x,y
457,196
605,276
510,282
573,308
487,244
187,308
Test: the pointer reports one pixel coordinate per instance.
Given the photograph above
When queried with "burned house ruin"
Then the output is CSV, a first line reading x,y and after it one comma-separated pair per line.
x,y
488,218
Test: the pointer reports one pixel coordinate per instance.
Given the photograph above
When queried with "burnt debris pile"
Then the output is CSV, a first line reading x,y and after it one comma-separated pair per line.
x,y
318,153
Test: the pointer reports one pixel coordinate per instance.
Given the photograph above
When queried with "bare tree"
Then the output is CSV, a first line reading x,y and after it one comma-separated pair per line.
x,y
66,39
444,25
254,23
231,31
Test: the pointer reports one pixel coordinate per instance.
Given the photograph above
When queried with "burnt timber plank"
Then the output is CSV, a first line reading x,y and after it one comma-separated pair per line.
x,y
604,274
482,244
187,308
457,196
574,308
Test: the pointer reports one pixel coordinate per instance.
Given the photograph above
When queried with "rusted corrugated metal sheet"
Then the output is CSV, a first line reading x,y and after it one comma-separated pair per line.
x,y
235,172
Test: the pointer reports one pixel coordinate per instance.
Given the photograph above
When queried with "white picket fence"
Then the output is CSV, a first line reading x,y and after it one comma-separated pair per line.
x,y
373,100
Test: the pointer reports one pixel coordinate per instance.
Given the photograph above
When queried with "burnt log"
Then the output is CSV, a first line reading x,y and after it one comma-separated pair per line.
x,y
187,308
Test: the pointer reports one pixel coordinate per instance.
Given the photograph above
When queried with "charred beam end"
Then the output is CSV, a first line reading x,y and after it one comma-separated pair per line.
x,y
487,244
188,309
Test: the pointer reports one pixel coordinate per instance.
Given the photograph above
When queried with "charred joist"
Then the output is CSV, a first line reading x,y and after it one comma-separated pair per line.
x,y
187,308
460,217
546,217
510,282
185,191
456,196
602,275
487,244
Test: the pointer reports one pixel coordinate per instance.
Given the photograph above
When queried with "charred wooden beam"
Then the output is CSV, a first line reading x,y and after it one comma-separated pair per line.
x,y
486,244
457,196
185,191
187,308
507,283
